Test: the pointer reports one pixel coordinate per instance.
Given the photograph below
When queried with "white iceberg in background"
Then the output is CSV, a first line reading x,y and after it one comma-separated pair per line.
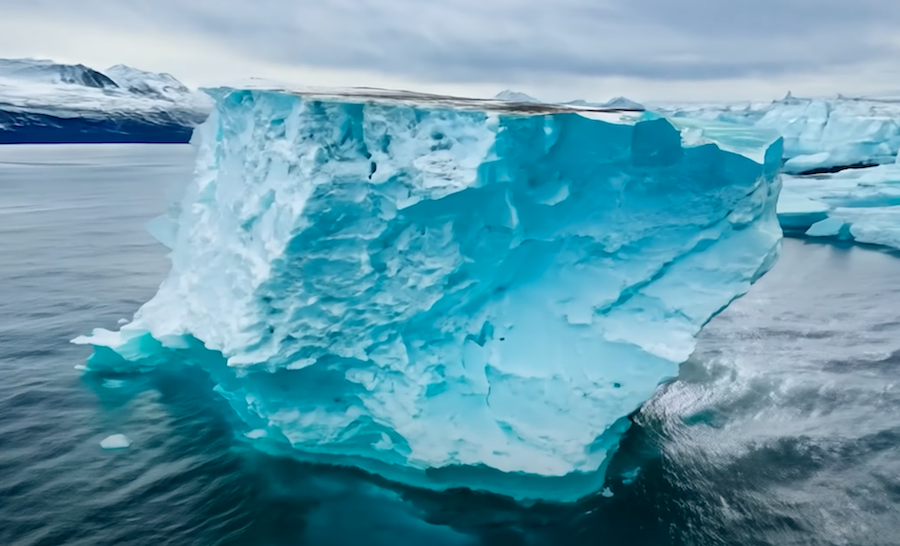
x,y
861,205
450,293
115,441
515,96
819,134
621,103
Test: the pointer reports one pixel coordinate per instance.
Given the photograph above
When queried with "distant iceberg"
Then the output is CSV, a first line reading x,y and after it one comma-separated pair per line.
x,y
820,135
47,102
622,103
861,205
515,96
450,292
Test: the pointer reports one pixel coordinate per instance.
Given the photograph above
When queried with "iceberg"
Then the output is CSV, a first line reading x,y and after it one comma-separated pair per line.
x,y
820,135
449,292
861,205
47,102
508,95
115,441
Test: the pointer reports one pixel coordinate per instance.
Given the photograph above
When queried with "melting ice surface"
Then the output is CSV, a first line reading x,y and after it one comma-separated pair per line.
x,y
450,293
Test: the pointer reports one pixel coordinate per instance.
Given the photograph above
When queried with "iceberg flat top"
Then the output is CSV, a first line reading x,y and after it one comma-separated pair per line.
x,y
501,103
751,142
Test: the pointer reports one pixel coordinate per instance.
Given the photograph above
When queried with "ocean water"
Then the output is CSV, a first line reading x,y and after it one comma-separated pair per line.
x,y
783,428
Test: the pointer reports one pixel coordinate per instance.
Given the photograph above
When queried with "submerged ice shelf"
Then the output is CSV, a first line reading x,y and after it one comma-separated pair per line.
x,y
445,292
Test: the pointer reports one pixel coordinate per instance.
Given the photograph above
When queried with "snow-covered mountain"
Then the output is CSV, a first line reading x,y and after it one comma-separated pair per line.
x,y
148,84
508,95
43,101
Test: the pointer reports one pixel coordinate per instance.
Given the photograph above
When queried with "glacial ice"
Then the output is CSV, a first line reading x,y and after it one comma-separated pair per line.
x,y
819,134
115,441
450,293
861,205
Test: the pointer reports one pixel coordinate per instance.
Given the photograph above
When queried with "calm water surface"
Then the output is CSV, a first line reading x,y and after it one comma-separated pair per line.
x,y
783,429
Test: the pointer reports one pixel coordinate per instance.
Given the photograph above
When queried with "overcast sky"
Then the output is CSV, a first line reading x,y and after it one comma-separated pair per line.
x,y
559,49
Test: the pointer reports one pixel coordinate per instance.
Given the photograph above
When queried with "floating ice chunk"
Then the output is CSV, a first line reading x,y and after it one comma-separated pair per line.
x,y
113,383
829,227
629,477
451,293
116,441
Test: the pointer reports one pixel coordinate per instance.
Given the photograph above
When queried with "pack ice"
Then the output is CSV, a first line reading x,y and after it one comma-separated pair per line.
x,y
447,292
819,134
861,205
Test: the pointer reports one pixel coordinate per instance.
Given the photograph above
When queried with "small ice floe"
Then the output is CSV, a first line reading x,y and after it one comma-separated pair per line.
x,y
123,321
629,477
256,434
116,441
113,383
607,492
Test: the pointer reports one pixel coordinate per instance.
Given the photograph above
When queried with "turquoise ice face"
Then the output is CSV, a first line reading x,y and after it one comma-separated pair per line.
x,y
450,295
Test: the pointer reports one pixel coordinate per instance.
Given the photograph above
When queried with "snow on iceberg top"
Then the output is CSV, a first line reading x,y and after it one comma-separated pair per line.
x,y
60,90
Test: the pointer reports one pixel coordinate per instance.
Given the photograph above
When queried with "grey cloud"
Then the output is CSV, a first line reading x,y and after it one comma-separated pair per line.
x,y
490,40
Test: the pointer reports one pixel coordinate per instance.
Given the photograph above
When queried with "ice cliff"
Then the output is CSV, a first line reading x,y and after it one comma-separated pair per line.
x,y
43,101
447,292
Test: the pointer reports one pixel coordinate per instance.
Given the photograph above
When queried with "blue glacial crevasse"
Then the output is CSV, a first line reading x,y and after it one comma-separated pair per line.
x,y
447,294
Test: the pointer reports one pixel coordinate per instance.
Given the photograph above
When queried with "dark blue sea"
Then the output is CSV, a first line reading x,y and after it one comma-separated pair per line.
x,y
783,429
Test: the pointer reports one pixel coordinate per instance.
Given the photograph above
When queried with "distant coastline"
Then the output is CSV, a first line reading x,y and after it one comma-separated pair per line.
x,y
42,102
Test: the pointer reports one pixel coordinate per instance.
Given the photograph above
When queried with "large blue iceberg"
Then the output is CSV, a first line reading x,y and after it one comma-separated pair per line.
x,y
446,292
